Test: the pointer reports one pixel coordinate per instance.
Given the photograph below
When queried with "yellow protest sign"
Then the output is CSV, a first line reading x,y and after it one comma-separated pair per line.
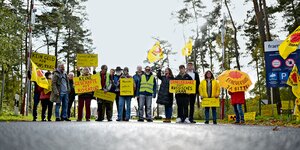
x,y
84,84
126,87
182,86
44,61
247,116
109,96
266,110
87,60
287,105
231,117
210,102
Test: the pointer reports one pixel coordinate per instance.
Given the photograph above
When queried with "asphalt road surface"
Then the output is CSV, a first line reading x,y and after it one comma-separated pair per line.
x,y
136,135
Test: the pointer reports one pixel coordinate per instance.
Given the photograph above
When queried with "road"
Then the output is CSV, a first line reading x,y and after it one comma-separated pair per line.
x,y
143,136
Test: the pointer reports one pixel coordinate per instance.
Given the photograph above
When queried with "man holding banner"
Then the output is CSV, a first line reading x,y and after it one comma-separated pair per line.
x,y
104,105
182,98
195,76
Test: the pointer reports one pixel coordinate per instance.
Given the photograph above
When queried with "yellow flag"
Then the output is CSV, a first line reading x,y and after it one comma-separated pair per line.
x,y
293,79
155,53
38,76
187,49
296,90
290,44
49,87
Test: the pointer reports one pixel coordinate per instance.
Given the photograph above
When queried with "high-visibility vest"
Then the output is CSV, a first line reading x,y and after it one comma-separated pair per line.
x,y
147,86
107,81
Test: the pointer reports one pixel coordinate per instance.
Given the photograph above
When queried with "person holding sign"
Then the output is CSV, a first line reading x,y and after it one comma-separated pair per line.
x,y
126,93
147,91
164,96
116,84
182,99
237,100
104,105
45,99
195,76
85,99
209,88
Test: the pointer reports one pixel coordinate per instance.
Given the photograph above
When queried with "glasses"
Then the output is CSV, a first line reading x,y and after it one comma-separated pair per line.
x,y
147,69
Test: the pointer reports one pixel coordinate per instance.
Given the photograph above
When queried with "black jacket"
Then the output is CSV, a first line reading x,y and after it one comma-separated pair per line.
x,y
184,77
164,96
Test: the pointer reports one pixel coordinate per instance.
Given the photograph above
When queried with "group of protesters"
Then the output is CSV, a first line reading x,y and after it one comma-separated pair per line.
x,y
145,86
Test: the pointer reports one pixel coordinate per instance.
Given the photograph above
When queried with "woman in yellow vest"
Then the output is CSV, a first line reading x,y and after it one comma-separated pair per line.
x,y
209,88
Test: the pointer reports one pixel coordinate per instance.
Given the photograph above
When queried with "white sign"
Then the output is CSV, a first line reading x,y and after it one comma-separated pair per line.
x,y
276,63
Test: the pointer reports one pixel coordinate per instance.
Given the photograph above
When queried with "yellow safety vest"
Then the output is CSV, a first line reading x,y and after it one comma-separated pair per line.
x,y
147,86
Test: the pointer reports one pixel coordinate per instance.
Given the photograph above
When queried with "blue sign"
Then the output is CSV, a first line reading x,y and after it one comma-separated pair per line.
x,y
278,69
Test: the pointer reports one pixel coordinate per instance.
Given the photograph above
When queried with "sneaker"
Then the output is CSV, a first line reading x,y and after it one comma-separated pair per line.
x,y
109,120
214,122
206,122
178,120
149,120
187,120
118,120
192,121
57,119
98,120
126,120
141,120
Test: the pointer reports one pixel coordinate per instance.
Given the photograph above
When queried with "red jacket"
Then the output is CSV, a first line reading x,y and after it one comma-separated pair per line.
x,y
237,97
44,96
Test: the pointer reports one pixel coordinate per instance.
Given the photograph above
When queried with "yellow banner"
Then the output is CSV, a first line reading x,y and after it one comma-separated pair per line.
x,y
210,102
126,87
109,96
38,76
266,110
87,60
182,86
287,105
247,116
44,61
86,84
290,44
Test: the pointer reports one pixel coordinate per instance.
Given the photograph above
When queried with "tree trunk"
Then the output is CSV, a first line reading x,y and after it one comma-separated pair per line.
x,y
3,86
235,38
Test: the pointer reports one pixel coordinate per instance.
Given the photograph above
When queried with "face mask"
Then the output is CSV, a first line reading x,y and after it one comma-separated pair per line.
x,y
147,73
118,73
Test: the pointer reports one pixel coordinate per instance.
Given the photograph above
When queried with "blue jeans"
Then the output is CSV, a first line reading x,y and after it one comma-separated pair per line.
x,y
238,110
148,101
214,113
168,111
122,101
36,100
64,100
